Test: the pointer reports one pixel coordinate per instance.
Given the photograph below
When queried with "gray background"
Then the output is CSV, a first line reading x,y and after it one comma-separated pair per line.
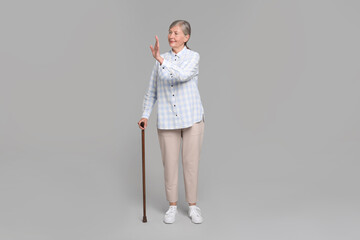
x,y
279,81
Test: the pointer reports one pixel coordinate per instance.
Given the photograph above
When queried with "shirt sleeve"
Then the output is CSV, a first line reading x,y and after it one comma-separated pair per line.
x,y
151,94
184,73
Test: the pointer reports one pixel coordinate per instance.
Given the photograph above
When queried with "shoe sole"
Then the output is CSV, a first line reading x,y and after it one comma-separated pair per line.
x,y
197,222
168,222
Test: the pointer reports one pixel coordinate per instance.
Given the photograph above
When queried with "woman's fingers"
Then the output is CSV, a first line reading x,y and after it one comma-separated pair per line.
x,y
157,45
155,50
157,42
142,121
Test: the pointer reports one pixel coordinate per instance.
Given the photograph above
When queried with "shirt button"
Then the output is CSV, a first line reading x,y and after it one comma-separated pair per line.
x,y
174,105
163,67
171,85
173,95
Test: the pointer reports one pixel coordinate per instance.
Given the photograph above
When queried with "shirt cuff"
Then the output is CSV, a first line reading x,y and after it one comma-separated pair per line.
x,y
145,116
164,64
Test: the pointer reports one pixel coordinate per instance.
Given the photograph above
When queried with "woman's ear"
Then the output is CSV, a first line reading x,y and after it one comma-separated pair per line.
x,y
187,38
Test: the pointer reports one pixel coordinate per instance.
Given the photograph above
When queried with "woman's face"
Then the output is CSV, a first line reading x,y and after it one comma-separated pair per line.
x,y
176,37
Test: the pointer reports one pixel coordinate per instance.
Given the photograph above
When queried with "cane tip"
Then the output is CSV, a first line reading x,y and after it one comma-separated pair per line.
x,y
144,219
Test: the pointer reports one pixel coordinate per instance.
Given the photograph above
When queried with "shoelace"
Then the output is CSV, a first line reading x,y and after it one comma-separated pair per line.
x,y
172,210
196,211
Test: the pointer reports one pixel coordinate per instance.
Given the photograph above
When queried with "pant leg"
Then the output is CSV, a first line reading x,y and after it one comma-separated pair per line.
x,y
169,141
192,143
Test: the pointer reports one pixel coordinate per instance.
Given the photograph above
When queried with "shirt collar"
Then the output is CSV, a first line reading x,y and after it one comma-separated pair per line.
x,y
179,53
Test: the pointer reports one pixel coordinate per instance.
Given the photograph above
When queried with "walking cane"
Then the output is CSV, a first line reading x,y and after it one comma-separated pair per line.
x,y
143,171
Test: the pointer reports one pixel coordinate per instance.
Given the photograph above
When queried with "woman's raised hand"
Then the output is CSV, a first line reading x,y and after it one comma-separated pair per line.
x,y
156,49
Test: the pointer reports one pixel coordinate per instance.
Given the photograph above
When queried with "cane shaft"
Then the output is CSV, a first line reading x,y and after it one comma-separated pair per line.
x,y
143,175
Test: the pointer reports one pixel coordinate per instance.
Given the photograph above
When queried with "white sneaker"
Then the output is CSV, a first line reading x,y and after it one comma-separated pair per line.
x,y
195,214
170,214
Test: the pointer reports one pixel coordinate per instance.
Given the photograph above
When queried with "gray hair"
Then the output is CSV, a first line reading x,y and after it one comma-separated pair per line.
x,y
185,27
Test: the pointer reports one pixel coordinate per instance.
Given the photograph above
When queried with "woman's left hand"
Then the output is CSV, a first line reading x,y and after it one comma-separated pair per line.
x,y
156,50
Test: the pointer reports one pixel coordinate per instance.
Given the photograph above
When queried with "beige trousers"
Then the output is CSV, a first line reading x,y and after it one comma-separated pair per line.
x,y
170,140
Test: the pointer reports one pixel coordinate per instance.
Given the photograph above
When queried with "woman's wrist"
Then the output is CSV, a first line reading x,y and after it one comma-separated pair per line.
x,y
160,60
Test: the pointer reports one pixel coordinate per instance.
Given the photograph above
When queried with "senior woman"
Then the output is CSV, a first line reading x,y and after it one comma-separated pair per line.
x,y
174,84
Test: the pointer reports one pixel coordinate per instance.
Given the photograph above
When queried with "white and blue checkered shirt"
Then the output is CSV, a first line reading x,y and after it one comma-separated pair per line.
x,y
174,84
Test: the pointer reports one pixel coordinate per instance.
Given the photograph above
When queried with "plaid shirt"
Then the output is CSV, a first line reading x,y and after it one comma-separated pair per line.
x,y
174,84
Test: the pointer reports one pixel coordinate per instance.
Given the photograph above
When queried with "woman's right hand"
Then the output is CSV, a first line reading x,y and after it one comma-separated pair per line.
x,y
144,120
156,51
